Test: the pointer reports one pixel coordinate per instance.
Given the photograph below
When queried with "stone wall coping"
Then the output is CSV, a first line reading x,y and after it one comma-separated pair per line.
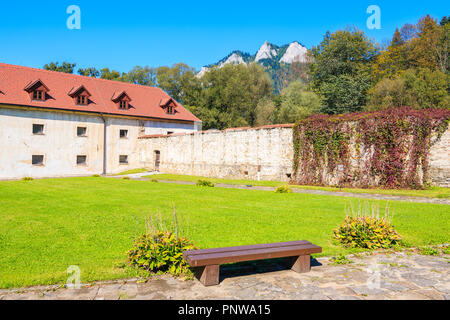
x,y
266,127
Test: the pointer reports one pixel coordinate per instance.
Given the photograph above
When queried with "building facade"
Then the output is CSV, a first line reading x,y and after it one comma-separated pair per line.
x,y
54,124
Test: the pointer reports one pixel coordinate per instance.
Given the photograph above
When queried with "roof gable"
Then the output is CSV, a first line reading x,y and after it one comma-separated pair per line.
x,y
35,85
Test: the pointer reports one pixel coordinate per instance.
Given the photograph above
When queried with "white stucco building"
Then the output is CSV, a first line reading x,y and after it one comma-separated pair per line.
x,y
55,124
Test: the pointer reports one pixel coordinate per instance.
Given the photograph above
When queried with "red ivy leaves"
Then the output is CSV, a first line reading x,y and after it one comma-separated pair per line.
x,y
392,147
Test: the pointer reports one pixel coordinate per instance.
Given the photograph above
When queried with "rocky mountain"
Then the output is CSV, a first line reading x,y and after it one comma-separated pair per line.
x,y
276,60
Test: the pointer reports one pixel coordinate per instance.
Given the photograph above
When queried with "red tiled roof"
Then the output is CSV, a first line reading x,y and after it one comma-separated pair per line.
x,y
146,100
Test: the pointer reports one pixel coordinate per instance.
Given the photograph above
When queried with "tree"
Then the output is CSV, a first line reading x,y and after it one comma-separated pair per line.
x,y
422,88
265,112
107,74
233,93
176,81
341,72
297,103
430,48
89,72
65,67
142,75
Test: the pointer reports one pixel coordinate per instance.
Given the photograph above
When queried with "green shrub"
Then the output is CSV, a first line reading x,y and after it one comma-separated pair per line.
x,y
429,251
154,180
126,178
340,259
367,230
161,252
96,176
204,183
283,189
27,179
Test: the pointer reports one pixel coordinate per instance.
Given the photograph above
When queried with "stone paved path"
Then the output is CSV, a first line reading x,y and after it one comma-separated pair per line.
x,y
400,275
139,176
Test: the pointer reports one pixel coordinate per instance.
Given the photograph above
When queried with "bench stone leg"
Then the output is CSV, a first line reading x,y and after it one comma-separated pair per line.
x,y
301,264
208,275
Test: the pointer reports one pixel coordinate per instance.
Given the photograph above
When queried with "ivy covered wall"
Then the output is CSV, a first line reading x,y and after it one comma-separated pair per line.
x,y
388,148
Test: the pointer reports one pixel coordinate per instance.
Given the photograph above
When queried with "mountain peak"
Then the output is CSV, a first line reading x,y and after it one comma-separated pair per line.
x,y
295,53
267,51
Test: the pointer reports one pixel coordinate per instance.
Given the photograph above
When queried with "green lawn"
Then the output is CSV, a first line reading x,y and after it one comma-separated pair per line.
x,y
131,172
48,225
432,192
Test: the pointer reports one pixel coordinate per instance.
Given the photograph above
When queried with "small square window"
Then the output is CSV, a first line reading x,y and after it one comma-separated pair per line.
x,y
37,160
81,160
38,128
123,134
123,105
81,131
38,95
82,100
123,159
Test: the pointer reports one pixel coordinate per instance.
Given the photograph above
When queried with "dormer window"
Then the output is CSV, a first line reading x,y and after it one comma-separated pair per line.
x,y
37,90
169,105
80,95
122,100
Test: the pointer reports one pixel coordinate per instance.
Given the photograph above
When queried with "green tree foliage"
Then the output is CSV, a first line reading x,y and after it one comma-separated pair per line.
x,y
416,88
265,112
177,81
341,71
297,103
65,67
107,74
89,72
232,94
145,76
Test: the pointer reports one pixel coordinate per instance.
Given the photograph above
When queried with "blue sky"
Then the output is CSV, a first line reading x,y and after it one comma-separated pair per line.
x,y
122,34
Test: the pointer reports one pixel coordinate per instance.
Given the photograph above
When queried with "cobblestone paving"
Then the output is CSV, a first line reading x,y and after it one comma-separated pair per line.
x,y
400,275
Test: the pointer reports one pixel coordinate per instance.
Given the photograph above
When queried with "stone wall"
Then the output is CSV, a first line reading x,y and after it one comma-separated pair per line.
x,y
264,153
439,158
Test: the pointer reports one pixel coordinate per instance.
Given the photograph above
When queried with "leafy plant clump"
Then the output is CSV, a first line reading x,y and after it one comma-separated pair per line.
x,y
27,179
340,259
160,248
161,252
283,189
126,178
429,251
96,176
367,229
204,183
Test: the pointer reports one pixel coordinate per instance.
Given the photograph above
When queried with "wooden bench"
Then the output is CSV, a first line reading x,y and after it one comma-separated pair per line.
x,y
208,261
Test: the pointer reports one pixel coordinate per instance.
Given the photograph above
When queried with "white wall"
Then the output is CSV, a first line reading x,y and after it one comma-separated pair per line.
x,y
261,153
60,144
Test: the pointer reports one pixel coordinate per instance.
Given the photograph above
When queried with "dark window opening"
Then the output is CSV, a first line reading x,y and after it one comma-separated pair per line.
x,y
38,95
123,134
82,100
38,129
123,105
81,160
81,131
123,159
170,110
169,132
37,160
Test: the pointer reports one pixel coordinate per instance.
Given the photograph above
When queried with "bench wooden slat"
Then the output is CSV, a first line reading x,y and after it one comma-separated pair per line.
x,y
252,254
248,247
